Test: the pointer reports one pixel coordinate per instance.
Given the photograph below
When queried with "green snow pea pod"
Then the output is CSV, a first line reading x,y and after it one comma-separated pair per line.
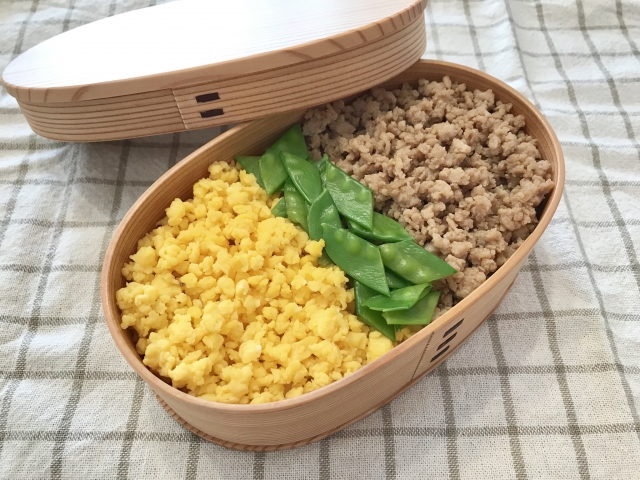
x,y
399,299
356,257
371,317
271,168
251,165
352,199
414,263
280,209
321,165
324,260
296,206
304,175
322,210
420,314
385,230
395,281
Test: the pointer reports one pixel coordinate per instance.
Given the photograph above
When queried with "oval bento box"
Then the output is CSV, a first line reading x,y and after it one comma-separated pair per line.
x,y
312,416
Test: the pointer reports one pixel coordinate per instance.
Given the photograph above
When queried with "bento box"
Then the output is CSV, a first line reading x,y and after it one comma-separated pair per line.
x,y
312,416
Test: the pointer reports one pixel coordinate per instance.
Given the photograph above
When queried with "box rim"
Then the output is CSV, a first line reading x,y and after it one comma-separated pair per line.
x,y
520,254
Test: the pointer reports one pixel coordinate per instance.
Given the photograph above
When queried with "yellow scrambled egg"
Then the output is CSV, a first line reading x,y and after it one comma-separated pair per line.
x,y
230,303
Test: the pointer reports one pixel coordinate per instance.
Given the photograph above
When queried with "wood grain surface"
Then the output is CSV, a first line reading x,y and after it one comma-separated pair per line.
x,y
257,95
181,43
297,421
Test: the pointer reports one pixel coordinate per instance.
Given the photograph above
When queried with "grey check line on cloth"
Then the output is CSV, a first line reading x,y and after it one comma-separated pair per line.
x,y
548,388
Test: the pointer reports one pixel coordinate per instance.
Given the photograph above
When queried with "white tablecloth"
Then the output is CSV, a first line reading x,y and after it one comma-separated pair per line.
x,y
549,387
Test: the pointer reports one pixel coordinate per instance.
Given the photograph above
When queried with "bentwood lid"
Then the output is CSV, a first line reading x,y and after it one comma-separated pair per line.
x,y
195,63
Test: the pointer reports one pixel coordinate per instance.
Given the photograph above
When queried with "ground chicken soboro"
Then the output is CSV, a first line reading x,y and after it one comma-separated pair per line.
x,y
230,304
453,166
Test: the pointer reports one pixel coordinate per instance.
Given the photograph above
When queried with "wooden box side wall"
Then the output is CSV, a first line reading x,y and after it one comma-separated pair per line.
x,y
339,404
272,90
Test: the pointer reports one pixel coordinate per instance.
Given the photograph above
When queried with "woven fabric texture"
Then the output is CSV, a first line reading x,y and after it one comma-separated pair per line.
x,y
547,388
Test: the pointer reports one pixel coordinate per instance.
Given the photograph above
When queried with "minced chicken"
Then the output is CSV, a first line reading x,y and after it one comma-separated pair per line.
x,y
455,167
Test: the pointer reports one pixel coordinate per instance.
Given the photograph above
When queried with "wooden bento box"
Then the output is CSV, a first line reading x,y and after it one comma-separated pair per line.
x,y
312,416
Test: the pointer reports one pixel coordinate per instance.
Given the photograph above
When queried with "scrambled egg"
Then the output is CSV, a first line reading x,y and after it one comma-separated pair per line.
x,y
230,303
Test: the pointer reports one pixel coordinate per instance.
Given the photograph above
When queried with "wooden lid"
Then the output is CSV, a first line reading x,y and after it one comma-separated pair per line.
x,y
197,63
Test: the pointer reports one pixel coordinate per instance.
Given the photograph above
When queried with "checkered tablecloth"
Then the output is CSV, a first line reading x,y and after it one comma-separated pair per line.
x,y
548,388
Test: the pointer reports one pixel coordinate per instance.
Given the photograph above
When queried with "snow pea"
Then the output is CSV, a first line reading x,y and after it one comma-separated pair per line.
x,y
356,257
304,175
324,260
420,314
322,210
251,165
371,317
395,281
385,230
280,209
352,199
296,206
400,299
271,168
321,165
414,263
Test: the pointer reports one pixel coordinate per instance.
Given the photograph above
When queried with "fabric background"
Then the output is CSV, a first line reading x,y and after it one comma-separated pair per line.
x,y
548,388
